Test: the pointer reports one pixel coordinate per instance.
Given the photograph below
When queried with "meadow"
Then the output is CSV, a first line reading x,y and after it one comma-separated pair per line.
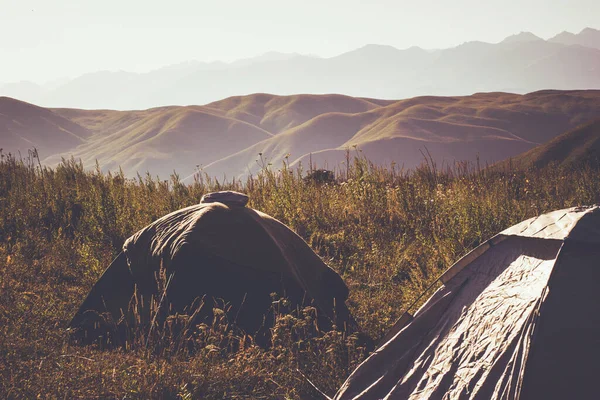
x,y
388,232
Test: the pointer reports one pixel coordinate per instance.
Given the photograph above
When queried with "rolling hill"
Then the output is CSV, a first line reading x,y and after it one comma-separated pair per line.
x,y
225,138
25,126
491,126
578,146
166,139
160,140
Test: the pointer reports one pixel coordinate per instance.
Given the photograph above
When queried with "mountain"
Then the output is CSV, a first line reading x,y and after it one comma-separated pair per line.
x,y
577,146
521,63
233,136
387,73
267,57
122,89
522,37
588,37
24,126
30,91
24,90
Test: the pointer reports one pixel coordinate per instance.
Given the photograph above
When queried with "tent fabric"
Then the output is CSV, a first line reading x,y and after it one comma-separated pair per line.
x,y
499,326
243,236
224,251
564,360
554,225
229,198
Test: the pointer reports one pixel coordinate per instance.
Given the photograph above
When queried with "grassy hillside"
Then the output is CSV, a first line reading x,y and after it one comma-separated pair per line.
x,y
388,234
578,146
161,140
226,137
493,126
165,140
279,113
24,126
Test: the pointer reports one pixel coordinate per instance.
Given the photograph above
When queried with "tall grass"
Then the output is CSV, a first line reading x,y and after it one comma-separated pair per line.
x,y
388,232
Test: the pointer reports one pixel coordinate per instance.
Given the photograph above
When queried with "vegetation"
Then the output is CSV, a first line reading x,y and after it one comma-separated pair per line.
x,y
575,147
387,232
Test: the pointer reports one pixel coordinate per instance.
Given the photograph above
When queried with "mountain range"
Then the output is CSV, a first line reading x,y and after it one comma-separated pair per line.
x,y
521,63
232,137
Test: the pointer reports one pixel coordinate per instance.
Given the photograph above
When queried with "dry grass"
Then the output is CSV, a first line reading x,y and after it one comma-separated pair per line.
x,y
388,233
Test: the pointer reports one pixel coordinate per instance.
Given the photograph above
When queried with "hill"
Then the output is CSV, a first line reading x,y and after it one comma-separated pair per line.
x,y
25,126
228,137
491,126
577,146
279,113
160,140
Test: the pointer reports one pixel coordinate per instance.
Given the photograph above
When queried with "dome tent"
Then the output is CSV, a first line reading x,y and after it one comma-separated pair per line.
x,y
218,249
517,318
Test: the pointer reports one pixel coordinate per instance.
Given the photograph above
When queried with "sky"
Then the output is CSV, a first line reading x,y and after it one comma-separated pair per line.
x,y
45,40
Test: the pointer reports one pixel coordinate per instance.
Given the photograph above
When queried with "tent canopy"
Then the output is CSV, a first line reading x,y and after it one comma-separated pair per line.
x,y
222,250
517,318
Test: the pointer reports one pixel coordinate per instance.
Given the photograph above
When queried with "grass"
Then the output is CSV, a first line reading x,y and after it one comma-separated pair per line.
x,y
387,232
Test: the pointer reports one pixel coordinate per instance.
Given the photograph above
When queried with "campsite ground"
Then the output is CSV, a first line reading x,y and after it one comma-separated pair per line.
x,y
387,233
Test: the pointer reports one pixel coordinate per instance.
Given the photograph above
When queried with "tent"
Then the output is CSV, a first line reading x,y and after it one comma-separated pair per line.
x,y
516,318
222,251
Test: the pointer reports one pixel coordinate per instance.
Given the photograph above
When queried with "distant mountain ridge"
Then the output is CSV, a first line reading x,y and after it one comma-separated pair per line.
x,y
522,37
588,37
521,63
232,137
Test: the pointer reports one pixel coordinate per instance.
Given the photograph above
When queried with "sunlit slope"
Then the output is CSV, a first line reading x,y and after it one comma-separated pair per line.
x,y
24,126
488,126
577,146
279,113
161,140
326,131
239,135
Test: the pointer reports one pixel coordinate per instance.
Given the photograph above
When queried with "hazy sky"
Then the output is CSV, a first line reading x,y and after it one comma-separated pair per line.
x,y
42,40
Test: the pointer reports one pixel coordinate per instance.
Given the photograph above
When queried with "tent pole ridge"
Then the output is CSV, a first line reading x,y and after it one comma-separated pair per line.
x,y
445,277
405,319
470,257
